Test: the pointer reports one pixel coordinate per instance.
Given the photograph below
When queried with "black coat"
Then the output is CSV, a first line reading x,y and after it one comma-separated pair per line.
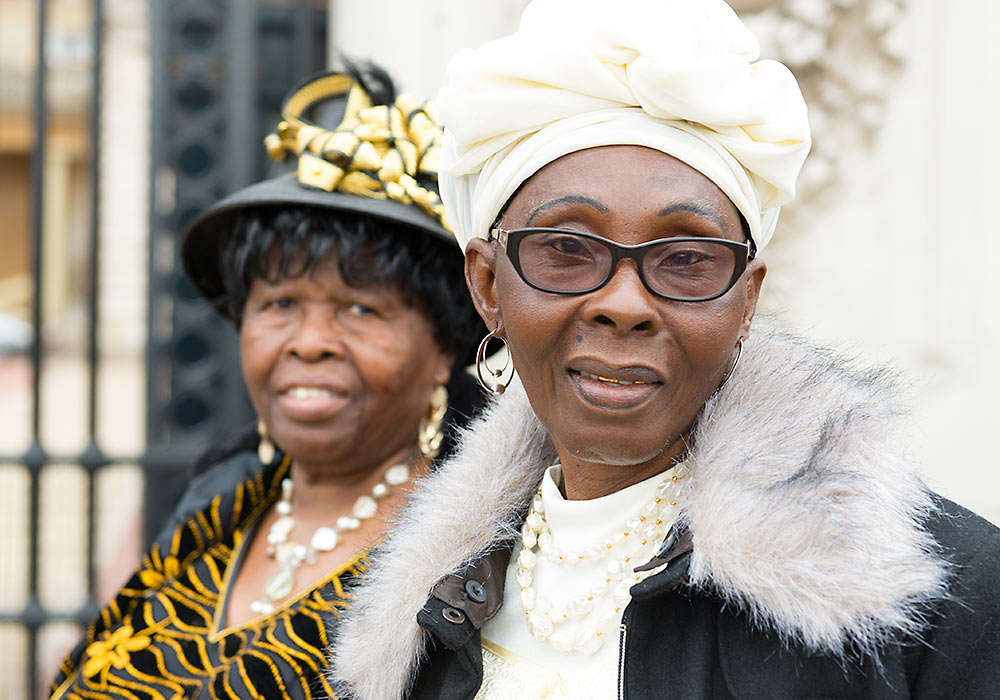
x,y
688,645
813,562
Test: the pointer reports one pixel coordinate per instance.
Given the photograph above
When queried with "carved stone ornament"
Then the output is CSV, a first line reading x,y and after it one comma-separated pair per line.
x,y
845,54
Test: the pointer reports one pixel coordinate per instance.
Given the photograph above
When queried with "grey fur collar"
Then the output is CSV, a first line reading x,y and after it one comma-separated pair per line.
x,y
803,512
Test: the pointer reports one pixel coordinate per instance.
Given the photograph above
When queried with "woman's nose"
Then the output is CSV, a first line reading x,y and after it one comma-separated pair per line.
x,y
317,337
624,303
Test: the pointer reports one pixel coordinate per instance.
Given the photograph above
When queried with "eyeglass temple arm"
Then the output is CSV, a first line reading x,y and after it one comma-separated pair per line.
x,y
499,235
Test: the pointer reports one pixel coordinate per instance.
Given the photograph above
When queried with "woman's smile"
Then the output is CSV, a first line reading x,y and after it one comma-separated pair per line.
x,y
607,388
311,402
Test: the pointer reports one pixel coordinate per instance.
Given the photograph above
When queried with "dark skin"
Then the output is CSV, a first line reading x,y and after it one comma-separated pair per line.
x,y
341,376
609,436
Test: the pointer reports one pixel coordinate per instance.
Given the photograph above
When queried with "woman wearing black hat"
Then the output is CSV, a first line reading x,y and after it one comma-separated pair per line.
x,y
347,290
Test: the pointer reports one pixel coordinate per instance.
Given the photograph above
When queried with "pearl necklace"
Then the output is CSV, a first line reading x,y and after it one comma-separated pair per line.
x,y
291,555
542,616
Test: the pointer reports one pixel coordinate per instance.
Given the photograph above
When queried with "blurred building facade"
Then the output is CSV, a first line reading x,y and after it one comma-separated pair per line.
x,y
886,254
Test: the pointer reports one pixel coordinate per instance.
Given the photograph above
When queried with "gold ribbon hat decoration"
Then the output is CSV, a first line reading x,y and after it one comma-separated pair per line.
x,y
335,148
377,151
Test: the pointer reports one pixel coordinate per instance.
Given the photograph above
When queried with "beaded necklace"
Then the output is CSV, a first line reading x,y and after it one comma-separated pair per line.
x,y
543,617
291,555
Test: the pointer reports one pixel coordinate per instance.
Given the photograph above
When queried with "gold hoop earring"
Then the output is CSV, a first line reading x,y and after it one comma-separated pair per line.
x,y
429,435
265,448
495,388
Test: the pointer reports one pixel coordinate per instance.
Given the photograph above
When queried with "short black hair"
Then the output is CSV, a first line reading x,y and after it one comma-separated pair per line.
x,y
428,273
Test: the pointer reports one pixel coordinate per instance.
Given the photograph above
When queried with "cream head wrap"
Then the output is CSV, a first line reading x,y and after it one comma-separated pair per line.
x,y
680,76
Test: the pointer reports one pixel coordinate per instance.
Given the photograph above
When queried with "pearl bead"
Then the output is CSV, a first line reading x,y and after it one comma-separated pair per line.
x,y
528,599
524,578
587,641
397,474
365,507
622,594
539,626
283,507
324,539
529,539
348,522
527,559
380,490
561,641
534,522
595,552
557,615
578,608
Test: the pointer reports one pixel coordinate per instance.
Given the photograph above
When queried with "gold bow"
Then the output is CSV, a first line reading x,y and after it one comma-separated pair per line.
x,y
377,151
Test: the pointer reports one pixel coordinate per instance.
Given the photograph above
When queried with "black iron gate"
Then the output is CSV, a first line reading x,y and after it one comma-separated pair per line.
x,y
219,69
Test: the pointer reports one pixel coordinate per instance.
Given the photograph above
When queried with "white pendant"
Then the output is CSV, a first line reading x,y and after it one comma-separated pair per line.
x,y
324,539
281,584
284,553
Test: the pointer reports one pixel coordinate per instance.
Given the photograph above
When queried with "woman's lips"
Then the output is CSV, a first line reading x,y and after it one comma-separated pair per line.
x,y
614,389
311,403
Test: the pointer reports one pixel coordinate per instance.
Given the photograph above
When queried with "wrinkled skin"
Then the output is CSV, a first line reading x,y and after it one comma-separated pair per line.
x,y
609,436
372,358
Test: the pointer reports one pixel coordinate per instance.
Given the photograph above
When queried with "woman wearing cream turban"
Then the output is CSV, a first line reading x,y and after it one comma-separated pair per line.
x,y
664,502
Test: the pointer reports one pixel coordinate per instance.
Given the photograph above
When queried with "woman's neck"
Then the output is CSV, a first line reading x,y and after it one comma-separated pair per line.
x,y
583,480
324,488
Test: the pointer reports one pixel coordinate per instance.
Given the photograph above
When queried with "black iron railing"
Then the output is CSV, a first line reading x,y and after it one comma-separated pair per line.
x,y
220,68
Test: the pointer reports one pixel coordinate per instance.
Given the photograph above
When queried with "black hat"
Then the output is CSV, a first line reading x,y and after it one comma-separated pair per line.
x,y
335,149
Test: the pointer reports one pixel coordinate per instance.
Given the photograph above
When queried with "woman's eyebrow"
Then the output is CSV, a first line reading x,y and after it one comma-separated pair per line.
x,y
694,209
572,199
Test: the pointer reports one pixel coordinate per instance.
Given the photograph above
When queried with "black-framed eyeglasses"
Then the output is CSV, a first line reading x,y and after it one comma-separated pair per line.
x,y
688,268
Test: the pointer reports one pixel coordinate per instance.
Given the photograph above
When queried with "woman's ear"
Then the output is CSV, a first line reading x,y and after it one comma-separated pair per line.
x,y
755,278
480,275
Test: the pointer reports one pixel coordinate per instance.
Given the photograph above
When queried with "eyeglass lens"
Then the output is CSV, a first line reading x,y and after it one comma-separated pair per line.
x,y
564,261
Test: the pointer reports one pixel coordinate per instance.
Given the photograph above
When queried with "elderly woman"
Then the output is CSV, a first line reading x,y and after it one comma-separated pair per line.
x,y
674,502
348,293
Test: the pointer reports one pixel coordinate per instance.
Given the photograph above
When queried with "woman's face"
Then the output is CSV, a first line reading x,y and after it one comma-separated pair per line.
x,y
674,353
341,375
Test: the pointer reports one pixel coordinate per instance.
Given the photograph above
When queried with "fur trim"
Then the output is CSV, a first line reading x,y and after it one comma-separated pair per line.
x,y
802,510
